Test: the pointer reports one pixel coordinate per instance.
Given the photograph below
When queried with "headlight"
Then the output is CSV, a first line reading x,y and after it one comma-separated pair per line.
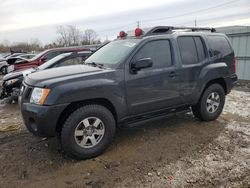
x,y
39,95
10,82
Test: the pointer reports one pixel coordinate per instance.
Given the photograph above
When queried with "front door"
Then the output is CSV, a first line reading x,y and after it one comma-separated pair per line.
x,y
156,87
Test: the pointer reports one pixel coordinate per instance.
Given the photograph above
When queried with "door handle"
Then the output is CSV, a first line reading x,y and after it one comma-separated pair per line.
x,y
172,74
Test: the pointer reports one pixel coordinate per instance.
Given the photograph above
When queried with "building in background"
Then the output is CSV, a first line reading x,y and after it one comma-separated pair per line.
x,y
240,39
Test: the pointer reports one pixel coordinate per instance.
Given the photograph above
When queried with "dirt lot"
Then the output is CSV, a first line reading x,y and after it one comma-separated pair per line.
x,y
177,152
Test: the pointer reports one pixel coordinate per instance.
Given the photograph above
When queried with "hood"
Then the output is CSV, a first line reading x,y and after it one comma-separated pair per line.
x,y
12,75
17,74
60,74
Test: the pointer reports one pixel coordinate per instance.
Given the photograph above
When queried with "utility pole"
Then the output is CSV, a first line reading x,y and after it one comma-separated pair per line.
x,y
138,24
195,23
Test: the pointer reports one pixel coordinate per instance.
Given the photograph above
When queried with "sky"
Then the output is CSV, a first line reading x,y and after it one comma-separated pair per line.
x,y
25,20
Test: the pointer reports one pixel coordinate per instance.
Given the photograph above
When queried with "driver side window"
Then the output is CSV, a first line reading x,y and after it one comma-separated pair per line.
x,y
159,51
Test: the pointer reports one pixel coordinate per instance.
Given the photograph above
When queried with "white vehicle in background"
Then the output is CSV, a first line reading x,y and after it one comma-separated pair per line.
x,y
9,59
19,58
4,64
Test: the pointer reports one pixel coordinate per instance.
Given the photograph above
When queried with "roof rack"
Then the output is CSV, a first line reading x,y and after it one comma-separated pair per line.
x,y
170,29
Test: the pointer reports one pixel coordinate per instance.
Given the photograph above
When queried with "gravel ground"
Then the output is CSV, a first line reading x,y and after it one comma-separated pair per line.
x,y
179,151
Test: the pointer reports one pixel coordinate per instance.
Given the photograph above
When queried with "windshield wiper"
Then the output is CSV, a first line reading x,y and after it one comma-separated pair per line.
x,y
99,65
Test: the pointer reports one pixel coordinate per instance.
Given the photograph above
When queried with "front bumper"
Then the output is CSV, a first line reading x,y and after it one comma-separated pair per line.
x,y
41,120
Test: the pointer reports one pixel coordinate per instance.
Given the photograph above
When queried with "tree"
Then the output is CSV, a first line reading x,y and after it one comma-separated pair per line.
x,y
69,35
89,37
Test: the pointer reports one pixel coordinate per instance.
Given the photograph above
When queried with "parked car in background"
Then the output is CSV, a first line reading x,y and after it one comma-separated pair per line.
x,y
12,81
19,58
42,58
4,61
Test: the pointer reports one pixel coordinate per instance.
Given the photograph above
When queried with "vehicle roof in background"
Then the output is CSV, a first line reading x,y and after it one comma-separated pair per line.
x,y
62,56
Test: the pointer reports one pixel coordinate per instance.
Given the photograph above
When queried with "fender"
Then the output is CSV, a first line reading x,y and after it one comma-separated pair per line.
x,y
110,87
211,72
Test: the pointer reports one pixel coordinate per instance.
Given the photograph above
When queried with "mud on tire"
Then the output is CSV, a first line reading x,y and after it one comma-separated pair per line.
x,y
77,136
210,104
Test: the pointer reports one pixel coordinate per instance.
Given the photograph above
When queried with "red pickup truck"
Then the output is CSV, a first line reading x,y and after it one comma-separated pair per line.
x,y
42,58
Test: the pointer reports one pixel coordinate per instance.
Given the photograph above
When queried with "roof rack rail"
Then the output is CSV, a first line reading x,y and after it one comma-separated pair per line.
x,y
169,29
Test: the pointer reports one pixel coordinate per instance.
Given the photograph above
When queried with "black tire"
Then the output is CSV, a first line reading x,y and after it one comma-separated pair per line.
x,y
196,111
200,110
68,141
4,70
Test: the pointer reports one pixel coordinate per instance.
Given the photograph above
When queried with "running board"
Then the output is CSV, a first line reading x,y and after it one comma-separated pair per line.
x,y
135,121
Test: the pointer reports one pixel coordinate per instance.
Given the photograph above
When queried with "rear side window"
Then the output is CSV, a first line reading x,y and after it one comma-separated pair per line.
x,y
192,49
188,50
159,51
219,45
200,48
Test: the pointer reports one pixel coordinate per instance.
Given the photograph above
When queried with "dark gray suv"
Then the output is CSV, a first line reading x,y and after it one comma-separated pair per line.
x,y
156,72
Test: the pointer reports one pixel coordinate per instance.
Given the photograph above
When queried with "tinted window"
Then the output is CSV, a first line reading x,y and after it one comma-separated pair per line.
x,y
188,50
159,51
219,45
71,61
200,48
51,55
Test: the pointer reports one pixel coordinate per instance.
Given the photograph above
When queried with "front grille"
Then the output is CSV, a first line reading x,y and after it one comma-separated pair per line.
x,y
27,91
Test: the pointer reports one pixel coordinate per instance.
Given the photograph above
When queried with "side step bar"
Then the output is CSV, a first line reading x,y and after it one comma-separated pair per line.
x,y
132,122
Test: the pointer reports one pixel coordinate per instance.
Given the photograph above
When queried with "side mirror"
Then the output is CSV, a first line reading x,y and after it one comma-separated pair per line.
x,y
141,64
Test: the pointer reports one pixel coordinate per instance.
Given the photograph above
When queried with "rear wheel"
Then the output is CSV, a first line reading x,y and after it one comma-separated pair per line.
x,y
88,131
211,103
4,70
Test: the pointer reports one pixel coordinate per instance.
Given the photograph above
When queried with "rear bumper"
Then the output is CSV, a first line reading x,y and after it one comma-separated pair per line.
x,y
41,120
230,82
234,79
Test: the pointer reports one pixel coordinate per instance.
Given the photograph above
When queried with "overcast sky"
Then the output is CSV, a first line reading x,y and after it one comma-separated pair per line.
x,y
24,20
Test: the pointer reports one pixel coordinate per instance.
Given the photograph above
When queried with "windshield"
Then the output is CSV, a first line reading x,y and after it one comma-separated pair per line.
x,y
113,53
38,55
53,61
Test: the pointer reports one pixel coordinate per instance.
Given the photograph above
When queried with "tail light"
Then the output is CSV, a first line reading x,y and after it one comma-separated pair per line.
x,y
234,63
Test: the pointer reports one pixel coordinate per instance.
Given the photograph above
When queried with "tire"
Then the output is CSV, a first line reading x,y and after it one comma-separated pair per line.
x,y
81,146
196,112
4,70
210,104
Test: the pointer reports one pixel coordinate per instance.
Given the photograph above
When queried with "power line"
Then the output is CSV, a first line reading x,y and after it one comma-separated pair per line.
x,y
192,12
171,17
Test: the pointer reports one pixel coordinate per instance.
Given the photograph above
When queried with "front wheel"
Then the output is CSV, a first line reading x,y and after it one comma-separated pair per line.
x,y
211,103
88,131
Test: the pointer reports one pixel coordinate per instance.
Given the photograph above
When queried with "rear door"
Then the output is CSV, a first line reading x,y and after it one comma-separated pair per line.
x,y
194,56
153,88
